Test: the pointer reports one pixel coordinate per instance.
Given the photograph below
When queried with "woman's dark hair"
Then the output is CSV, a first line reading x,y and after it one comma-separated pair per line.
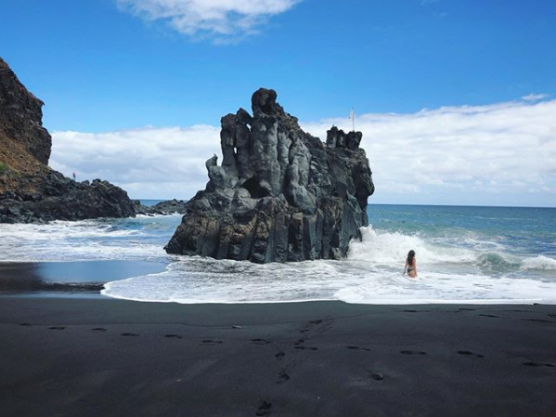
x,y
410,257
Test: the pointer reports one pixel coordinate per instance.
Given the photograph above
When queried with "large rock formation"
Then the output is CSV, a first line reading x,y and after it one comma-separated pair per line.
x,y
280,194
29,190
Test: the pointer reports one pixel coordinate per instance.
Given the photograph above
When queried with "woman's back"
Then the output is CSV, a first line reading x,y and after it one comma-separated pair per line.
x,y
411,264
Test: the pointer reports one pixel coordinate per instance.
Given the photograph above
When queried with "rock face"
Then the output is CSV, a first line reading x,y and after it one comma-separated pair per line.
x,y
280,194
21,116
63,199
29,190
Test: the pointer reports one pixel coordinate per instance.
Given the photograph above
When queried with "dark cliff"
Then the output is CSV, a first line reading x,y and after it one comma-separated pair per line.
x,y
30,191
280,194
21,116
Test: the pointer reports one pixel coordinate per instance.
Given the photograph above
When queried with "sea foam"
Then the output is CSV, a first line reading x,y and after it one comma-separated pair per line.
x,y
65,241
462,268
372,274
198,280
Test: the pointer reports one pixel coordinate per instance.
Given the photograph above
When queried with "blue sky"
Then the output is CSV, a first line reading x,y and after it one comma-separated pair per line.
x,y
103,66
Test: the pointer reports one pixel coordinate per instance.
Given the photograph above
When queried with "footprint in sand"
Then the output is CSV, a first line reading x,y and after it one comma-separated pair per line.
x,y
538,365
412,352
212,342
283,377
377,376
264,409
358,348
468,353
416,311
57,328
172,336
280,355
130,334
305,348
489,315
98,329
309,325
260,341
540,320
466,309
25,324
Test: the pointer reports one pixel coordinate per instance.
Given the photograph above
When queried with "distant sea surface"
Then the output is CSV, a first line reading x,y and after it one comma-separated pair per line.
x,y
486,255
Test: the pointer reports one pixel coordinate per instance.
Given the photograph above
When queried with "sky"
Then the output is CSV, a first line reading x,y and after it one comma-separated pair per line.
x,y
456,98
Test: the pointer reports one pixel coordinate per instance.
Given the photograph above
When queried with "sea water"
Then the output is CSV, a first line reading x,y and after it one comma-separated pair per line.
x,y
464,255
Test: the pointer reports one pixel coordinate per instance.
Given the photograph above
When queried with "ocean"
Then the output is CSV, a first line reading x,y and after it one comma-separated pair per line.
x,y
479,255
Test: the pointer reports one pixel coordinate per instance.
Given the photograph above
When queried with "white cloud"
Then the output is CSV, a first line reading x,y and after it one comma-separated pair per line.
x,y
503,154
534,97
220,20
461,154
146,162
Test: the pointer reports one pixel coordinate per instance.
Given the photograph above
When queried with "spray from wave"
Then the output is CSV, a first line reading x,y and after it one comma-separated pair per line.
x,y
539,263
392,248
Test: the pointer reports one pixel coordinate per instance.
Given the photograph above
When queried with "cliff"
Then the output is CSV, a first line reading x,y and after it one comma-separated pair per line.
x,y
30,191
280,194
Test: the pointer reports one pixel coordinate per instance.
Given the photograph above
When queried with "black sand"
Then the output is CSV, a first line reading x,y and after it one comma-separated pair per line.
x,y
103,357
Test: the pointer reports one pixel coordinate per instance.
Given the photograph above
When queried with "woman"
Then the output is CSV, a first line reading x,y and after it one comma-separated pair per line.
x,y
410,264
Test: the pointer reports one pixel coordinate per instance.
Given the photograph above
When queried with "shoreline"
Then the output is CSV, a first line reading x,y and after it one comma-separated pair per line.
x,y
102,356
94,279
72,277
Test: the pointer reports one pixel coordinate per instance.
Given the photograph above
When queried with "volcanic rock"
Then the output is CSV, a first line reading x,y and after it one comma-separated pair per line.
x,y
163,208
280,194
30,191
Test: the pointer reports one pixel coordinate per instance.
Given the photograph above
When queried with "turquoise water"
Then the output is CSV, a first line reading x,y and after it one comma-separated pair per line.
x,y
503,237
464,254
521,230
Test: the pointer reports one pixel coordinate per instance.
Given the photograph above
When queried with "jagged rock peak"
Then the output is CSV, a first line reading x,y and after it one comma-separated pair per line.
x,y
280,194
336,138
264,104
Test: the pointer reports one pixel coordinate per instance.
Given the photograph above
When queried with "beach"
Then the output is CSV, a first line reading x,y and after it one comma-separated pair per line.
x,y
473,335
100,356
277,208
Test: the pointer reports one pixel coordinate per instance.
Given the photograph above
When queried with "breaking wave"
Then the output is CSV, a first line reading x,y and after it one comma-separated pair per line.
x,y
141,238
372,274
455,265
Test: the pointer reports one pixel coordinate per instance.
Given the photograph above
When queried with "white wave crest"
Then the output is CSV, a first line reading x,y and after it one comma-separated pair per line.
x,y
383,248
540,262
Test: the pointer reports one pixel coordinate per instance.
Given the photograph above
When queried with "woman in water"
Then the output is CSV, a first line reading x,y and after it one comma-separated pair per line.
x,y
410,264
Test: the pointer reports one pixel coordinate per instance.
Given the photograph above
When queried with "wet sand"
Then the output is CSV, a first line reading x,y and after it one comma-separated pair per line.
x,y
67,277
105,357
